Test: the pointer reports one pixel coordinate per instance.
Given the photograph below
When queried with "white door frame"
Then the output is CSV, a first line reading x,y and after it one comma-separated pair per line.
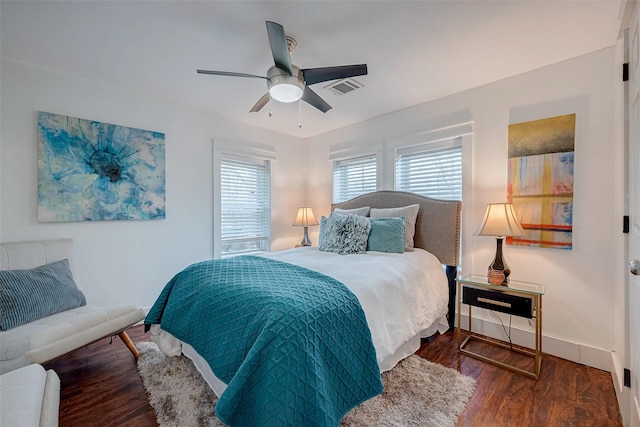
x,y
630,405
625,366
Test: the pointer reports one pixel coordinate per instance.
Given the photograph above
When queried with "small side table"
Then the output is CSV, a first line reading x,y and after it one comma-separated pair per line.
x,y
523,299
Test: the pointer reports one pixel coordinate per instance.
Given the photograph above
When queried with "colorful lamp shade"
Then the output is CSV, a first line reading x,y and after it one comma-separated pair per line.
x,y
499,221
305,218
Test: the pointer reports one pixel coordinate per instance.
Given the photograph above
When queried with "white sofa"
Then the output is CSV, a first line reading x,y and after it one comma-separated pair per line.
x,y
60,333
30,397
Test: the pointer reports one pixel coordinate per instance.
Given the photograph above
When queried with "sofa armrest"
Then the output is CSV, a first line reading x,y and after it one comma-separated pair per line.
x,y
50,401
30,396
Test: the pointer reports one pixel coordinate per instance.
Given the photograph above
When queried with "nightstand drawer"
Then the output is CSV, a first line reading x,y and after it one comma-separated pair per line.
x,y
498,301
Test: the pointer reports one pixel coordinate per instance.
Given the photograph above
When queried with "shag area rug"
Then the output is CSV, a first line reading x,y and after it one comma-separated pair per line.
x,y
416,393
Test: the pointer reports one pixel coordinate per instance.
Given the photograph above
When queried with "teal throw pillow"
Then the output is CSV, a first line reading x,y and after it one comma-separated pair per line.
x,y
387,235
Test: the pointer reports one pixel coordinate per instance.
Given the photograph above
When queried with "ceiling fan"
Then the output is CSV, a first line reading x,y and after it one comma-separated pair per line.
x,y
285,81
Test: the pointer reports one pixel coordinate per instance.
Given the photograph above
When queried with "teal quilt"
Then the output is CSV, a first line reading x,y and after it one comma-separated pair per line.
x,y
292,344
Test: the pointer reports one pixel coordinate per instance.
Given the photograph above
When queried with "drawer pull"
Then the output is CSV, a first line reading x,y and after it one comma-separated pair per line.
x,y
493,302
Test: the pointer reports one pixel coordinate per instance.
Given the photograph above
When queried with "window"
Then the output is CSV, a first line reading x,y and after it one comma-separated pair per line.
x,y
245,213
433,169
353,177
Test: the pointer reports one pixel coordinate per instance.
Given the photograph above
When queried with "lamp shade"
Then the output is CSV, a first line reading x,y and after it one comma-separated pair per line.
x,y
305,218
500,220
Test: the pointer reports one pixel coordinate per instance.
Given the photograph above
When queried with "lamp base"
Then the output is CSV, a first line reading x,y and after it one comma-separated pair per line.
x,y
305,238
498,272
497,277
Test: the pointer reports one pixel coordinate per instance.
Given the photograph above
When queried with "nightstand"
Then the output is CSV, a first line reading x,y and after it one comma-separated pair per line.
x,y
522,299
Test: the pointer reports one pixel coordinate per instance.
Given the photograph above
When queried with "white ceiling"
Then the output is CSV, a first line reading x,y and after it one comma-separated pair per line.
x,y
416,51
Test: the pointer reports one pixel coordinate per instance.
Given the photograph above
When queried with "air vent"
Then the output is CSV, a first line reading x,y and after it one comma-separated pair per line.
x,y
344,86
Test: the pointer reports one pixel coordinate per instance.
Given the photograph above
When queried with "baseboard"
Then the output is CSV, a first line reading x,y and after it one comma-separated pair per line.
x,y
617,377
575,352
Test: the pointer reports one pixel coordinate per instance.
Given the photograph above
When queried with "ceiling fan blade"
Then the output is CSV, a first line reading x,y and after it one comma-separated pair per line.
x,y
229,73
279,48
323,74
314,99
261,103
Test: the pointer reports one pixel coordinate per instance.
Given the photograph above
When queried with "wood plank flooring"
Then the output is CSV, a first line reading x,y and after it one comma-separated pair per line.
x,y
101,387
566,394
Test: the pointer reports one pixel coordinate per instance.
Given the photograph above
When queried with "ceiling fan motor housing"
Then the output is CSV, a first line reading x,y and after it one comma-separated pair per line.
x,y
284,87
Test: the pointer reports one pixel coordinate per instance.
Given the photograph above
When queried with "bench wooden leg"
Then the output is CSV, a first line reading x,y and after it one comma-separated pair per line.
x,y
127,341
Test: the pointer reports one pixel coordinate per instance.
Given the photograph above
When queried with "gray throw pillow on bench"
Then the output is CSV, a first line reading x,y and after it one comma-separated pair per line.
x,y
28,295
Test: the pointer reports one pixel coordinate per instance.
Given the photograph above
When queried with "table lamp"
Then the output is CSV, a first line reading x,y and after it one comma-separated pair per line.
x,y
304,219
499,221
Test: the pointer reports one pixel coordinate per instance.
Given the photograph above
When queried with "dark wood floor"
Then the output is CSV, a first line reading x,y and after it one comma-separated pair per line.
x,y
101,387
566,394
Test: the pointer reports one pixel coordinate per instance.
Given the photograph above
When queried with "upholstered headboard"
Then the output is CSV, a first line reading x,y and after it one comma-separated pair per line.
x,y
437,225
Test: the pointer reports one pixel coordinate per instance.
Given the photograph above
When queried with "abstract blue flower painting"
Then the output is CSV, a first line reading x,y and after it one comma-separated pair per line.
x,y
94,171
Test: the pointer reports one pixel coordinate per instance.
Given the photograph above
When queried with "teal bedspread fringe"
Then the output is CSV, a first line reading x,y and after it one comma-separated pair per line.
x,y
292,344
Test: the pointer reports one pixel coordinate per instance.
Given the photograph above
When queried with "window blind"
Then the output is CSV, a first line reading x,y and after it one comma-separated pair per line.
x,y
353,177
244,205
433,169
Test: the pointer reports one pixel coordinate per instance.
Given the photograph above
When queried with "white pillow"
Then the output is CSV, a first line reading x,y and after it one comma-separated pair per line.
x,y
364,211
410,214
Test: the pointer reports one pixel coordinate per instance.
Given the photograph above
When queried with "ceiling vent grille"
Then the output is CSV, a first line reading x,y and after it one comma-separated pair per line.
x,y
344,86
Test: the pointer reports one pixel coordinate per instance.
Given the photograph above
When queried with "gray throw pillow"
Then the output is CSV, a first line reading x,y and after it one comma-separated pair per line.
x,y
344,234
364,211
28,295
323,231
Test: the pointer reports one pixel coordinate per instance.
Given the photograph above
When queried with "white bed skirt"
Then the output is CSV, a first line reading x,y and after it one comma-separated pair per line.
x,y
171,346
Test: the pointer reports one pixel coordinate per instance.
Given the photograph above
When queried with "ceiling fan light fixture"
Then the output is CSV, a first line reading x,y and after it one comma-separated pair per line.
x,y
286,88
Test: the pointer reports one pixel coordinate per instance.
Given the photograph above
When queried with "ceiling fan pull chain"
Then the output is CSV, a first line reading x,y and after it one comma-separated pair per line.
x,y
269,107
300,113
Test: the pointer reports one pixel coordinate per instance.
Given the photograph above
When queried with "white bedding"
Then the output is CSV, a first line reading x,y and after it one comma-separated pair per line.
x,y
404,297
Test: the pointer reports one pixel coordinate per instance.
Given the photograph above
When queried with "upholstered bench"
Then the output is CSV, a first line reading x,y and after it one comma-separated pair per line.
x,y
30,396
48,337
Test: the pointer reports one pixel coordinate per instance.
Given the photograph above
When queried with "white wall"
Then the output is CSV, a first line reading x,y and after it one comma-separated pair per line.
x,y
130,261
579,299
127,261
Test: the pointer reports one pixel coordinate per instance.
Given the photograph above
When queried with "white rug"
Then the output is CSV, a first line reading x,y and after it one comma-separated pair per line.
x,y
416,393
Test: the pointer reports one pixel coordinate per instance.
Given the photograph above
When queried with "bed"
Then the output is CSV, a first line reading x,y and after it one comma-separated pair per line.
x,y
377,309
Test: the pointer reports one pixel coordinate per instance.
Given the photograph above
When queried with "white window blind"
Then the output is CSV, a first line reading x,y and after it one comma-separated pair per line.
x,y
433,170
244,205
353,177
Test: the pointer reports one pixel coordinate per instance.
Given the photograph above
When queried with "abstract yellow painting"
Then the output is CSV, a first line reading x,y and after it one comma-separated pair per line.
x,y
540,184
